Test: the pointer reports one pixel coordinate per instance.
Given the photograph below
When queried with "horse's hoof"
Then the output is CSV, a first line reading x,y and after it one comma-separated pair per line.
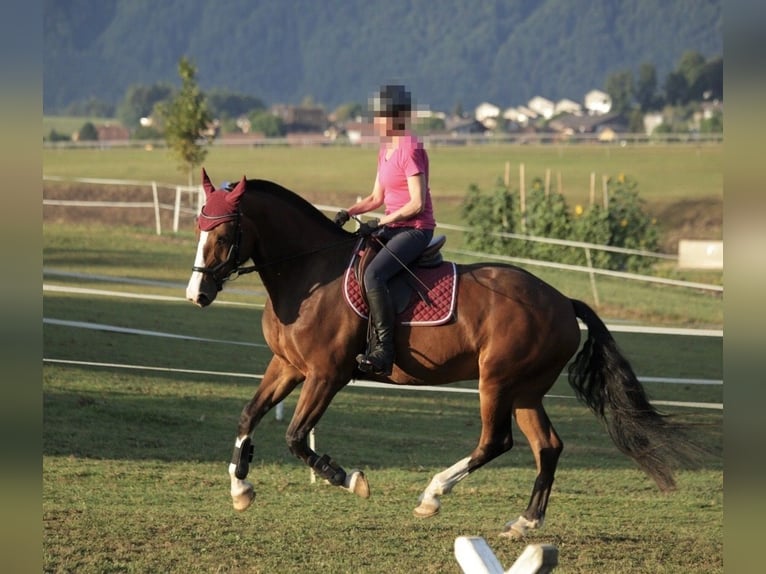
x,y
243,500
512,533
426,510
519,528
357,484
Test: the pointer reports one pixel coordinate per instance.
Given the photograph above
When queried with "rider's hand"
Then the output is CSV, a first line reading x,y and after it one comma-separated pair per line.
x,y
341,218
369,227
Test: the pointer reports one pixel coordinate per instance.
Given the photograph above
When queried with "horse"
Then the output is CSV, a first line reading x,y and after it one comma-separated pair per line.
x,y
510,330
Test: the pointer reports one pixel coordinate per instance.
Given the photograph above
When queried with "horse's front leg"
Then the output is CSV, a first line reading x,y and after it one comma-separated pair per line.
x,y
278,381
316,396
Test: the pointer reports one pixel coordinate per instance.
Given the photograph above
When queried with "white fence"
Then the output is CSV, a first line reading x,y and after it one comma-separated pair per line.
x,y
196,192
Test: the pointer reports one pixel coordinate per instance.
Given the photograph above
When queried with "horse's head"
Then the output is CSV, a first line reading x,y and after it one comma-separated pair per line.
x,y
219,246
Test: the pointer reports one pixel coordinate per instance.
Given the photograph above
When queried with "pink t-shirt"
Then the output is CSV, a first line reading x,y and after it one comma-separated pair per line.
x,y
407,160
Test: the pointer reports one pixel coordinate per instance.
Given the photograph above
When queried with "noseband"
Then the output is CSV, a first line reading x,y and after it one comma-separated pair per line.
x,y
233,255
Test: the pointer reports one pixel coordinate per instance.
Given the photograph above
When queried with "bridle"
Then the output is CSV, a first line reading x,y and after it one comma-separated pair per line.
x,y
232,256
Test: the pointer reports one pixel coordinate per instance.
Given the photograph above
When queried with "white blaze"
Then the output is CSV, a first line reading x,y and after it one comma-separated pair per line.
x,y
192,289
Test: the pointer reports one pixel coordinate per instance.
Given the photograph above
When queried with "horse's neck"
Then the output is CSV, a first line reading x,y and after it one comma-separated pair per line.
x,y
298,253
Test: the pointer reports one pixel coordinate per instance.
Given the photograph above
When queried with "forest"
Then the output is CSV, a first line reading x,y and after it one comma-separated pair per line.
x,y
451,53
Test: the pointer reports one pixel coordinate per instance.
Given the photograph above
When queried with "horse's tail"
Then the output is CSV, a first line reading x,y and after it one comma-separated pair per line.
x,y
603,378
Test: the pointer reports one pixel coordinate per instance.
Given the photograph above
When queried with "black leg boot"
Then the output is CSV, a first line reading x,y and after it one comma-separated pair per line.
x,y
380,358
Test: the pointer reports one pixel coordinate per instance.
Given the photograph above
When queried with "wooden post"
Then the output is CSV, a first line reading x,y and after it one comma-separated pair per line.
x,y
592,187
507,177
605,191
522,197
592,277
156,207
547,182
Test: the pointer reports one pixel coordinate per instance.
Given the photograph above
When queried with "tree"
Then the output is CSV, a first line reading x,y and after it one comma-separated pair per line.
x,y
348,111
646,88
267,123
140,101
713,77
619,86
88,132
186,116
676,89
692,66
225,104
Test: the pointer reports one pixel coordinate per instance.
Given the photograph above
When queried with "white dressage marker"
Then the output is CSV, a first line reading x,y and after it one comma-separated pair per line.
x,y
476,557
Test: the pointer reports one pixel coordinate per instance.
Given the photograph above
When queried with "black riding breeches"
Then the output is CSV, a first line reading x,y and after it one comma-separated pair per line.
x,y
402,246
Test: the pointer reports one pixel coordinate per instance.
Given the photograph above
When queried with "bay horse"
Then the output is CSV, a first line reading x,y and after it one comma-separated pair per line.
x,y
510,330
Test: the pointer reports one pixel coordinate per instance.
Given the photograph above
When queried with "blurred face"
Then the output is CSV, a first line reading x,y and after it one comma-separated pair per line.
x,y
387,126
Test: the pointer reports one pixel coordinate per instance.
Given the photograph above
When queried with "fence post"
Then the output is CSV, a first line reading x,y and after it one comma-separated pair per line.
x,y
156,207
177,209
592,276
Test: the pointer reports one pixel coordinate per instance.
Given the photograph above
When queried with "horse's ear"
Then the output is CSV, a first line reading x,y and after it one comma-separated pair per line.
x,y
233,197
206,184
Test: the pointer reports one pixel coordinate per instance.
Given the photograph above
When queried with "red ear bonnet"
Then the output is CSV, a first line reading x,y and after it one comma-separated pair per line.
x,y
220,205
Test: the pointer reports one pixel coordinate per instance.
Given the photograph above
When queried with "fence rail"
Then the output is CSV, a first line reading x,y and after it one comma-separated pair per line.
x,y
198,193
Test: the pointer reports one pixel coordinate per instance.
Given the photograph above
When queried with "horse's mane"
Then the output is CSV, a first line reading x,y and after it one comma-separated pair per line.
x,y
263,186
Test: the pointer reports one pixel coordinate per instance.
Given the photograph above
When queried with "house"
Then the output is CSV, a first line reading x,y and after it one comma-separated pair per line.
x,y
567,106
466,127
360,133
301,118
570,124
487,114
597,102
542,107
520,115
651,121
111,132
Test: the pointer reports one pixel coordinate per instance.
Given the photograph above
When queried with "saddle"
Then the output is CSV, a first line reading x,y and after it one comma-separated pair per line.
x,y
427,298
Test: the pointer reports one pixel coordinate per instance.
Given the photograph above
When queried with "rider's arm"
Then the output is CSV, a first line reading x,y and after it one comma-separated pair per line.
x,y
417,188
372,201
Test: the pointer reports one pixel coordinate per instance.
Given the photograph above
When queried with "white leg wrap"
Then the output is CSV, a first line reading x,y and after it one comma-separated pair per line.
x,y
444,482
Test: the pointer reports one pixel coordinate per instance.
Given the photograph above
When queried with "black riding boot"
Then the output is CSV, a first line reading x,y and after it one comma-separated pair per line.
x,y
380,358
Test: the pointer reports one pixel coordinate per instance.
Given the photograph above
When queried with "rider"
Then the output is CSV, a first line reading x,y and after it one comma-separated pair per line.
x,y
406,228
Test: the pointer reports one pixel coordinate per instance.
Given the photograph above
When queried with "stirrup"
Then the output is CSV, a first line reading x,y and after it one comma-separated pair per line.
x,y
367,365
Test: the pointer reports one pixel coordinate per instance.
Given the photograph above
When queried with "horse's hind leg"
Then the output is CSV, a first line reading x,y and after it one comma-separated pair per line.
x,y
278,381
546,447
496,438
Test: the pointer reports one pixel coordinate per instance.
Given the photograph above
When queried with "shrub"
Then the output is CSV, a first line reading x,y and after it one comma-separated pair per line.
x,y
88,132
621,223
489,214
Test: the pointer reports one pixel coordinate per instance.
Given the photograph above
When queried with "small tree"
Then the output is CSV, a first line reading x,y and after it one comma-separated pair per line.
x,y
88,132
186,116
266,123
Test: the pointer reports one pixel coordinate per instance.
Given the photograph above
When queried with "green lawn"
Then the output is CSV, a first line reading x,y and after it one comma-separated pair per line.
x,y
135,460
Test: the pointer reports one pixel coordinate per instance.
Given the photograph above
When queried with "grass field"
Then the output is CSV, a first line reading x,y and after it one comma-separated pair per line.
x,y
134,460
664,172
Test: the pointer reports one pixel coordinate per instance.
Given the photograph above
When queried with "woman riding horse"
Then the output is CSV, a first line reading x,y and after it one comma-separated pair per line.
x,y
401,184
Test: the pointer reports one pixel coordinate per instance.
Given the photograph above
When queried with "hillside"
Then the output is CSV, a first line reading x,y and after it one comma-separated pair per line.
x,y
448,51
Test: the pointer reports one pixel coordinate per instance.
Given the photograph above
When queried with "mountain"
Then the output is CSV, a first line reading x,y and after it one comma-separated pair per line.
x,y
448,52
